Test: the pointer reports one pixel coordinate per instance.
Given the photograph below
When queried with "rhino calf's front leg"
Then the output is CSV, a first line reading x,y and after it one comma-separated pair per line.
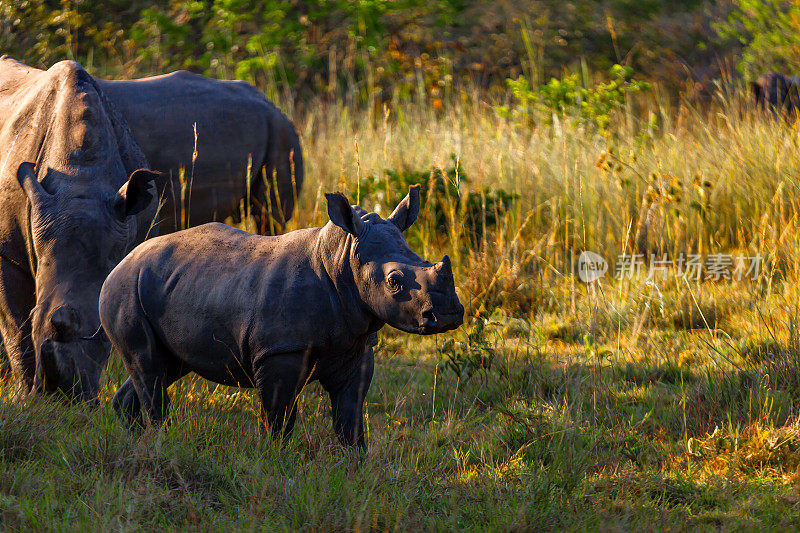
x,y
347,402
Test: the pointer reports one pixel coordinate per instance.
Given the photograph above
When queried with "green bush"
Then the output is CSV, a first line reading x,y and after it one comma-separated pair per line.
x,y
569,97
472,357
769,31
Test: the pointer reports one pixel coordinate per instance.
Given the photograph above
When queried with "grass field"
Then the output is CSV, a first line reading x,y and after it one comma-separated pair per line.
x,y
661,404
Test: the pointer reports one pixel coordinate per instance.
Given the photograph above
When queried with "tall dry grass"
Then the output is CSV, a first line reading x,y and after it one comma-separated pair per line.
x,y
717,179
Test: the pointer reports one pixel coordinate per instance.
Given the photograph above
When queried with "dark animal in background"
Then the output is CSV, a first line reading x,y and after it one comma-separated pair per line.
x,y
273,313
236,127
777,93
75,197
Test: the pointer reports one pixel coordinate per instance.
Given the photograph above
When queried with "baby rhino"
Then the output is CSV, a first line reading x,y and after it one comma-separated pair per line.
x,y
273,313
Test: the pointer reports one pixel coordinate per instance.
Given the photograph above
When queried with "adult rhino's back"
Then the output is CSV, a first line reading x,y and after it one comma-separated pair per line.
x,y
237,129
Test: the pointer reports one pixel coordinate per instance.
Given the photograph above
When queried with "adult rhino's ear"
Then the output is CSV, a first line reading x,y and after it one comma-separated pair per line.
x,y
406,211
26,175
133,197
342,214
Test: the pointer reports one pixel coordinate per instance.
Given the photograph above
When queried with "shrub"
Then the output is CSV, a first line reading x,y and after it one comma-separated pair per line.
x,y
569,97
769,30
466,359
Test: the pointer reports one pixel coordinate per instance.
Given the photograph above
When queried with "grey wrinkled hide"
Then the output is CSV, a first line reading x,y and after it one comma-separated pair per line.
x,y
777,93
236,125
273,312
73,203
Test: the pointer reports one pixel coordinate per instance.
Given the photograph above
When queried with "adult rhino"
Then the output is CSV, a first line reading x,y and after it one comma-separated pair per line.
x,y
237,129
777,92
75,196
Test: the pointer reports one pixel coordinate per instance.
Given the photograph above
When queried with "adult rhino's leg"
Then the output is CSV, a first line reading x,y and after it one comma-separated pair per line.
x,y
279,380
347,401
17,299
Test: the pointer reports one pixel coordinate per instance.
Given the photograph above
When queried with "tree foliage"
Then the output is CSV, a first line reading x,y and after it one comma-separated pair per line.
x,y
364,48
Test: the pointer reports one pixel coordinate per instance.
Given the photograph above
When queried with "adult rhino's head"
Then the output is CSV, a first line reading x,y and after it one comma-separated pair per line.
x,y
76,238
399,287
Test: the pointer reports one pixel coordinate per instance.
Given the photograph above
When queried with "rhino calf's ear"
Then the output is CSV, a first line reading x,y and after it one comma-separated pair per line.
x,y
342,214
134,196
407,210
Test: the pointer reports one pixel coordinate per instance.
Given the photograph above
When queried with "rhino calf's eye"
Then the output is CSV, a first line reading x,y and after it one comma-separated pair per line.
x,y
395,281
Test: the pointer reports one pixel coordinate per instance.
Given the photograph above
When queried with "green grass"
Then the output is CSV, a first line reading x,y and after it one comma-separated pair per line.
x,y
555,435
556,406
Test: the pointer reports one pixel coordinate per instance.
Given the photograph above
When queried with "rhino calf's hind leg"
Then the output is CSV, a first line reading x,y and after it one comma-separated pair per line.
x,y
152,369
151,387
126,405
